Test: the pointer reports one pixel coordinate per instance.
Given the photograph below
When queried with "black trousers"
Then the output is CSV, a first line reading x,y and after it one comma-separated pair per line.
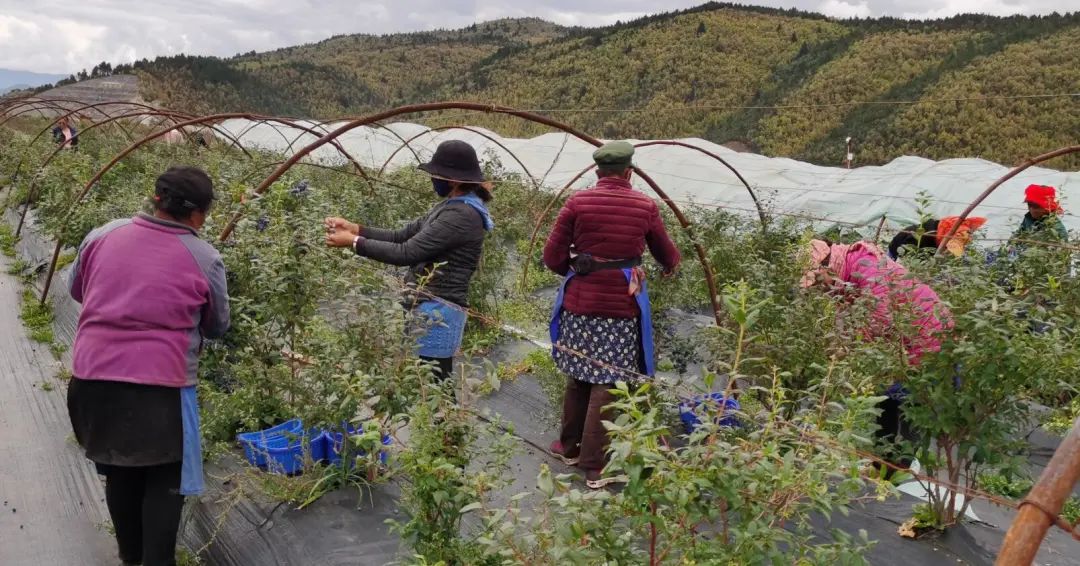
x,y
893,428
145,506
443,368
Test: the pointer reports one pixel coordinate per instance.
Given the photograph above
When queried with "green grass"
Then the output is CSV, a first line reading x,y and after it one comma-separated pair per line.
x,y
7,240
1005,485
65,260
1071,511
57,349
37,318
18,267
540,365
480,338
1061,420
524,312
185,557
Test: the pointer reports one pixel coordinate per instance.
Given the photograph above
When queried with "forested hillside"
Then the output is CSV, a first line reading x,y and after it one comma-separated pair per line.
x,y
783,82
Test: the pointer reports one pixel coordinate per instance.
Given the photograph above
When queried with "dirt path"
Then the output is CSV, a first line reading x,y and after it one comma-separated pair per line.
x,y
52,509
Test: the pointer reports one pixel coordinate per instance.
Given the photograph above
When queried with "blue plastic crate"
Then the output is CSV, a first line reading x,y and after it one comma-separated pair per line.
x,y
290,456
256,443
714,404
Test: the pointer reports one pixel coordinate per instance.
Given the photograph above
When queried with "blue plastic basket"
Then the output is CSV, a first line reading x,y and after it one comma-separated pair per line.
x,y
256,443
711,404
288,447
283,449
290,456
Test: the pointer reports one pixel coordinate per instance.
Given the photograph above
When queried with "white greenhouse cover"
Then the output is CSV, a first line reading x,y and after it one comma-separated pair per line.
x,y
859,196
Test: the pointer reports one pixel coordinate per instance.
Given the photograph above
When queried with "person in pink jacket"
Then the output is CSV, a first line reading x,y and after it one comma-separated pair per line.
x,y
861,270
152,291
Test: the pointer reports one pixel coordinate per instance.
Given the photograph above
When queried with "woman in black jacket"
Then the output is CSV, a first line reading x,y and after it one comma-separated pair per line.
x,y
442,248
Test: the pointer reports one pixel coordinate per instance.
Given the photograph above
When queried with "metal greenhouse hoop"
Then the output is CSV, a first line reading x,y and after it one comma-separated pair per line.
x,y
30,193
1016,171
150,137
477,131
558,195
18,167
530,116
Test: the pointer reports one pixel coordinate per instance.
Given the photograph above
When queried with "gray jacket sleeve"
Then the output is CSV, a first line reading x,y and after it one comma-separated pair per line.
x,y
396,236
441,230
215,317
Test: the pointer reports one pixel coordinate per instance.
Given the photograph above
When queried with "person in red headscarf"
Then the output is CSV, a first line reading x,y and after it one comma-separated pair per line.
x,y
927,234
1044,214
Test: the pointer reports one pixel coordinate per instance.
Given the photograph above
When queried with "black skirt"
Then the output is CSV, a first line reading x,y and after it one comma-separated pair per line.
x,y
126,424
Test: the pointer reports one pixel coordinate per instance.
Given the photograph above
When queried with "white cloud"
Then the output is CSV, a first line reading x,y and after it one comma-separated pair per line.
x,y
841,9
948,8
12,28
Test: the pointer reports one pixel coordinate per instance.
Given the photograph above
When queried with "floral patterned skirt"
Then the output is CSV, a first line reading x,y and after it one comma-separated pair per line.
x,y
602,347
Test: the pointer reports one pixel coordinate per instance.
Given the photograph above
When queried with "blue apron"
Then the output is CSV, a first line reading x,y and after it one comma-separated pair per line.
x,y
191,469
645,318
444,327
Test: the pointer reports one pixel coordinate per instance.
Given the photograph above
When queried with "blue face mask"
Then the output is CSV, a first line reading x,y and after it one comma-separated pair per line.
x,y
442,187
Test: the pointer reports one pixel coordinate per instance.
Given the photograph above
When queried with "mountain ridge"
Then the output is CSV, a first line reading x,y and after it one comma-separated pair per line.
x,y
783,82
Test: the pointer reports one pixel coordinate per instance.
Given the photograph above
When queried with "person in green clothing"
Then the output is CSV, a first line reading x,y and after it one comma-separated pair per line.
x,y
1043,219
1042,223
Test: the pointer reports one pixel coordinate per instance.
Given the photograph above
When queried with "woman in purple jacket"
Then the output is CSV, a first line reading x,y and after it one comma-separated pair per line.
x,y
151,291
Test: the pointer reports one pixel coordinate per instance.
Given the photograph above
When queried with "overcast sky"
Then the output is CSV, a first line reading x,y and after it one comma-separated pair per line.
x,y
52,36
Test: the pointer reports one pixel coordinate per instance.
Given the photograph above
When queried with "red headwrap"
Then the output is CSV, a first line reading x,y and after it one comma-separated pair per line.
x,y
1043,197
963,234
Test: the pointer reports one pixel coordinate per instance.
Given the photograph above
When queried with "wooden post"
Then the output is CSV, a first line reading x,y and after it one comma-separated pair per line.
x,y
877,235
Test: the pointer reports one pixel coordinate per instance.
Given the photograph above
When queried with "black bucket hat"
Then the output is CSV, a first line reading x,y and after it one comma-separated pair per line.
x,y
454,160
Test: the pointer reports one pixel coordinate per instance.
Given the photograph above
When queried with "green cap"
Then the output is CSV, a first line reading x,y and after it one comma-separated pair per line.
x,y
614,155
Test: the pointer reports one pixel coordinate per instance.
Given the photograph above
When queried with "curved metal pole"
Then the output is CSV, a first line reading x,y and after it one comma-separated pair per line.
x,y
323,126
148,108
224,133
757,205
30,192
558,195
54,102
360,171
32,107
1040,509
530,116
1016,171
540,222
47,128
489,137
97,177
408,144
401,139
295,125
258,123
58,104
18,100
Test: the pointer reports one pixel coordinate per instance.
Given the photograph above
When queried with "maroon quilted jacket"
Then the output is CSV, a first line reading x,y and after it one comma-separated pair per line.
x,y
609,221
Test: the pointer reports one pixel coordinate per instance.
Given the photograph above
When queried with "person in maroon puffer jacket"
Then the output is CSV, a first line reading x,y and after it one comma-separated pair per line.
x,y
601,327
